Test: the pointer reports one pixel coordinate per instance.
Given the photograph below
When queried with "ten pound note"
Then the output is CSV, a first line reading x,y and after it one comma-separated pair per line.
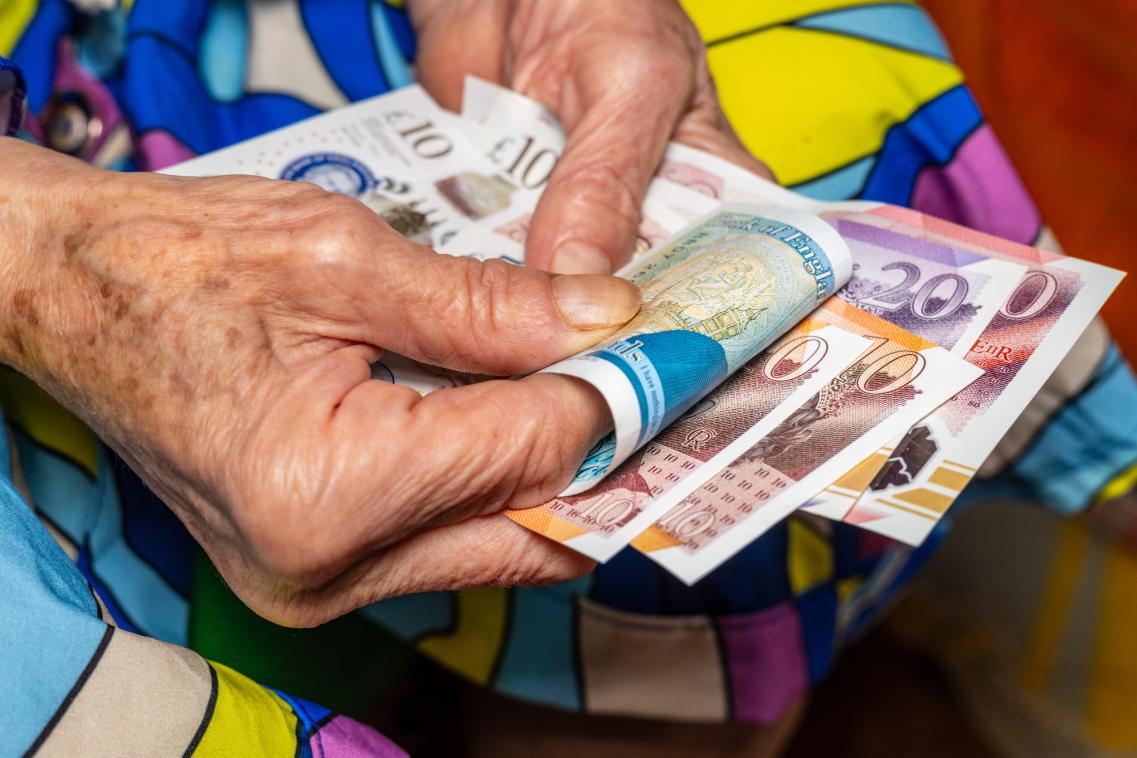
x,y
702,442
894,383
713,298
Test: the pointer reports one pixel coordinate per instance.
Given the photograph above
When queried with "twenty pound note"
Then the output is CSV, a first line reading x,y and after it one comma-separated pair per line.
x,y
713,298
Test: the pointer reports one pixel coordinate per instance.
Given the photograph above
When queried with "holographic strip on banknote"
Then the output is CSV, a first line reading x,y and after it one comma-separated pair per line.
x,y
700,443
714,297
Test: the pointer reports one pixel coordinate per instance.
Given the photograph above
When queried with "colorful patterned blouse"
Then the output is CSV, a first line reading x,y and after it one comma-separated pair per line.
x,y
112,622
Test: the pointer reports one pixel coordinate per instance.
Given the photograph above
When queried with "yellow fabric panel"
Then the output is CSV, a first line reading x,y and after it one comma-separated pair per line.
x,y
809,102
14,18
473,647
46,421
247,720
716,20
1113,682
1120,485
846,588
809,558
1058,594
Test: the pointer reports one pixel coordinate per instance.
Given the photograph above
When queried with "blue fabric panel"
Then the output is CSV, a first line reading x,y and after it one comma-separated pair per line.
x,y
50,626
340,30
61,491
152,531
180,23
400,25
391,52
1091,440
754,579
902,26
140,591
193,117
930,136
307,712
35,52
818,609
844,183
413,616
538,662
224,50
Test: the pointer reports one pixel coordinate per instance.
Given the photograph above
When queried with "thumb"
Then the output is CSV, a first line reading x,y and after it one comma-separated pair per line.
x,y
492,317
587,218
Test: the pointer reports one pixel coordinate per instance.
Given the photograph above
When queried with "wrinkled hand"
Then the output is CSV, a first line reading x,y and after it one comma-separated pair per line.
x,y
218,334
625,78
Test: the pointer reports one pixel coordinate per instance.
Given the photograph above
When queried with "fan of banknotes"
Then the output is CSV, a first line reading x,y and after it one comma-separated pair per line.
x,y
855,361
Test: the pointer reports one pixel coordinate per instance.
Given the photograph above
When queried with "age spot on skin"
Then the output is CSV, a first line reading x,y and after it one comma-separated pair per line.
x,y
232,337
214,283
74,242
121,306
23,303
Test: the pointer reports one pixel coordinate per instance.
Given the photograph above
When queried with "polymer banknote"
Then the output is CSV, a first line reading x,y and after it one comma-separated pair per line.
x,y
701,442
1050,305
713,298
522,137
895,382
940,292
400,154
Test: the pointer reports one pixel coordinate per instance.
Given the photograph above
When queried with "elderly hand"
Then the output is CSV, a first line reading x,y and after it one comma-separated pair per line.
x,y
625,78
218,333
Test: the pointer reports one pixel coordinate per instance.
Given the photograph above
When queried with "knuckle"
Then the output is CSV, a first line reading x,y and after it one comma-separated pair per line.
x,y
475,311
607,184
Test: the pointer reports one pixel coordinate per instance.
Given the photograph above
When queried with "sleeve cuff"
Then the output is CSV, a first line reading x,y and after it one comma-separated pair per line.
x,y
12,89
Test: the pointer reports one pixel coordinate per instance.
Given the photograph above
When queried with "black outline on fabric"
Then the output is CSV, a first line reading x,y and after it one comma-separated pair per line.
x,y
578,655
735,36
81,547
935,164
1066,406
206,717
165,39
869,40
301,4
57,453
84,544
315,731
301,738
923,166
100,606
724,667
849,164
442,631
503,642
116,465
107,592
73,692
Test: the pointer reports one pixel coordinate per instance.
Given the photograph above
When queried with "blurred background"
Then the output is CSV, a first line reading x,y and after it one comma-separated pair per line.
x,y
1058,81
1015,668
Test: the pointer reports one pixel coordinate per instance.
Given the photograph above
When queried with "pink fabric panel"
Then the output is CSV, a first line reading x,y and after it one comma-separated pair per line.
x,y
979,189
767,666
158,149
345,738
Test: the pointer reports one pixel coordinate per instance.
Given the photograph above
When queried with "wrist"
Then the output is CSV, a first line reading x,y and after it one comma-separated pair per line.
x,y
46,201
